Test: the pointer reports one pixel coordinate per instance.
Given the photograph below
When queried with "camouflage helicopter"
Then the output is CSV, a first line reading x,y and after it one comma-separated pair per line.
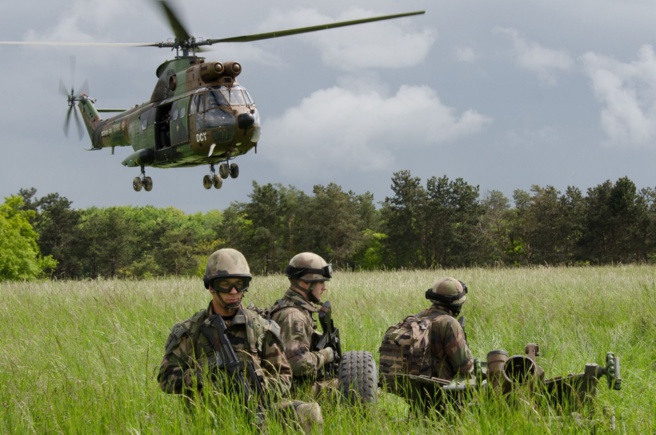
x,y
197,114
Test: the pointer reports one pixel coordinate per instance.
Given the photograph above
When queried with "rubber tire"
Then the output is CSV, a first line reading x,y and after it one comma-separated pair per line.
x,y
137,184
207,181
224,170
148,184
358,377
234,170
217,181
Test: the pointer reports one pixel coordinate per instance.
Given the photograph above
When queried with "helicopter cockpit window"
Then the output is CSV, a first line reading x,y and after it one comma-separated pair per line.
x,y
174,114
219,117
197,104
216,99
235,96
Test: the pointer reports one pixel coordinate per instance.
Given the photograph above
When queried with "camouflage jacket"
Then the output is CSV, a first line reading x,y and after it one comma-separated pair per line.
x,y
294,315
449,350
189,355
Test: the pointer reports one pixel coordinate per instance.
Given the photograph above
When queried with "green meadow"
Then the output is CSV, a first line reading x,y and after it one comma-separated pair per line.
x,y
82,356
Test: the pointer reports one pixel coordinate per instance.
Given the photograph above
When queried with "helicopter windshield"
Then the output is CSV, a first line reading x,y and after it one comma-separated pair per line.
x,y
216,99
237,96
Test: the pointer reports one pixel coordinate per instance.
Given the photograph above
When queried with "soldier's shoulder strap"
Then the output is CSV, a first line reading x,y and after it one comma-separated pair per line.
x,y
257,327
190,327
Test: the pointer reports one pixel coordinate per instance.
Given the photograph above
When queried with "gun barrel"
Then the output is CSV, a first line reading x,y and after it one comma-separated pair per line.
x,y
518,369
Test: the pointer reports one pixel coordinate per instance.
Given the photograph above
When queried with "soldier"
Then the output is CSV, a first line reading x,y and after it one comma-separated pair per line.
x,y
431,343
307,273
192,356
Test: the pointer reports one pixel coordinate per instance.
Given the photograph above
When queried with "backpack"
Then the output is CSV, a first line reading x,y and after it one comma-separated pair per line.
x,y
406,348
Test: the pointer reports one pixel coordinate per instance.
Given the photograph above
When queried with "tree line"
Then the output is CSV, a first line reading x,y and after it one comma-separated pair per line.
x,y
439,223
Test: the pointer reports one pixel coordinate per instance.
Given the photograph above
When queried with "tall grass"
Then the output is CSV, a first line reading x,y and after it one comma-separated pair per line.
x,y
81,357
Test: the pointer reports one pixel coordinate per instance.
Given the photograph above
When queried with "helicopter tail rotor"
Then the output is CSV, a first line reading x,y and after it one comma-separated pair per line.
x,y
72,99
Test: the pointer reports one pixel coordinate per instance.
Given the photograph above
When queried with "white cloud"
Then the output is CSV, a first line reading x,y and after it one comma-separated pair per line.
x,y
382,44
627,92
466,54
359,130
546,62
85,21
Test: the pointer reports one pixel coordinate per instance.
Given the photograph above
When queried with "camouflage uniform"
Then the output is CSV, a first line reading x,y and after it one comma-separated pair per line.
x,y
294,315
450,353
428,345
189,353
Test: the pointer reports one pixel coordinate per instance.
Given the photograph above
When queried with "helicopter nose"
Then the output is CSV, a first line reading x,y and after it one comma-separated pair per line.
x,y
245,120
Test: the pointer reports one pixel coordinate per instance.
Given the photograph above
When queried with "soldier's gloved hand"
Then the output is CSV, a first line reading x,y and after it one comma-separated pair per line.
x,y
328,355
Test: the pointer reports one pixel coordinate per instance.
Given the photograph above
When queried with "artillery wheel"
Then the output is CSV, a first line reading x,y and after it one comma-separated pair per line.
x,y
148,184
234,170
137,184
217,181
207,181
358,377
224,170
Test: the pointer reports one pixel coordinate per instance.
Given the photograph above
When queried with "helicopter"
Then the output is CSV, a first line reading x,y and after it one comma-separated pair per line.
x,y
198,113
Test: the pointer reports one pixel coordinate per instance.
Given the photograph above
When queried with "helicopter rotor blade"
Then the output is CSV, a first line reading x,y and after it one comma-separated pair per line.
x,y
62,88
71,62
185,41
68,120
179,30
84,89
72,99
78,123
276,34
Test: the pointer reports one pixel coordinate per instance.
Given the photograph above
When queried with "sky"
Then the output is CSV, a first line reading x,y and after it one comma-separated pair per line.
x,y
505,94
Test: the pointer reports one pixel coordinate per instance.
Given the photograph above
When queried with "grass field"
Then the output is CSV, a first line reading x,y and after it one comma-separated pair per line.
x,y
82,357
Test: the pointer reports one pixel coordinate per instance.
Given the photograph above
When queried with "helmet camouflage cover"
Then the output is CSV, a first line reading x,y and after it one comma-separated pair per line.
x,y
447,291
226,263
309,267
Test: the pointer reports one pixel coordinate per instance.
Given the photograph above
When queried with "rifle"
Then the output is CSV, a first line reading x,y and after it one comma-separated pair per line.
x,y
234,367
329,338
461,320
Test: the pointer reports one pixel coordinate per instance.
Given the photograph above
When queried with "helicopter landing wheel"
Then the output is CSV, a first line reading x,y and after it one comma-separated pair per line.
x,y
207,181
234,170
217,181
224,170
148,184
137,184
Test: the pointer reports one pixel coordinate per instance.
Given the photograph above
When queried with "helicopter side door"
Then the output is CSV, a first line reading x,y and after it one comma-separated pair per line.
x,y
195,119
179,125
163,127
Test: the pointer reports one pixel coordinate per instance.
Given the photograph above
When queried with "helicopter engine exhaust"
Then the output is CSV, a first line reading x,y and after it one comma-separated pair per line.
x,y
232,69
211,71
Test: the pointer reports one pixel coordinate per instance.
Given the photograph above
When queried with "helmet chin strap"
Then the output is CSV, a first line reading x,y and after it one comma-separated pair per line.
x,y
229,307
308,292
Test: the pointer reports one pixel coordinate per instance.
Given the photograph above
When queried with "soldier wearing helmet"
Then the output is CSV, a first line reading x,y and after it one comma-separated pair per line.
x,y
192,360
449,355
308,274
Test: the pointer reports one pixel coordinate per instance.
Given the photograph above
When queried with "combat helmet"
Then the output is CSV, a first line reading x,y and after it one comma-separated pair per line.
x,y
449,292
309,267
226,263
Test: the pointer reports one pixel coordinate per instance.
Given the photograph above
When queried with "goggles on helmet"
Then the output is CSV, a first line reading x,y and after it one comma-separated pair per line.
x,y
222,285
298,272
446,299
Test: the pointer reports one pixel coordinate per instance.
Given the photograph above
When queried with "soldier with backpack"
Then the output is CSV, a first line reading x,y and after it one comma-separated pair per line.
x,y
431,343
